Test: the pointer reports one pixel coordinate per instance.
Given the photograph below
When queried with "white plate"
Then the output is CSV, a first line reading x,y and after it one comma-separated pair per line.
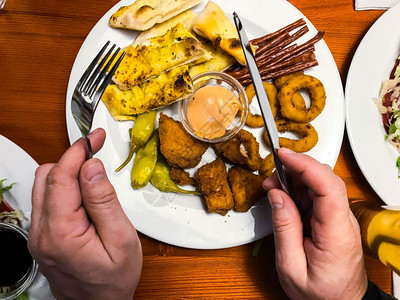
x,y
371,64
19,168
182,220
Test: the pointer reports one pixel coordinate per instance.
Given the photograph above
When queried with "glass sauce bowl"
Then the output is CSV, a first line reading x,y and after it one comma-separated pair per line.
x,y
219,79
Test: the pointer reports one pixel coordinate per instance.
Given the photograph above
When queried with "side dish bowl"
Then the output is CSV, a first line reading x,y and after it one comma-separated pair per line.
x,y
218,79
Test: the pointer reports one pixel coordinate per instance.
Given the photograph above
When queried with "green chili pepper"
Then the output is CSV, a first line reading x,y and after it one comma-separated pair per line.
x,y
257,247
144,163
161,179
23,296
140,134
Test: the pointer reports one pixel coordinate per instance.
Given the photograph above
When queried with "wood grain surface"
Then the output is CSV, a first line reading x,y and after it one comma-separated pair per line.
x,y
39,41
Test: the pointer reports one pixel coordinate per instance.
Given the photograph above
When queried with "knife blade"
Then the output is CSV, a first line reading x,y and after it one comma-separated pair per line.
x,y
262,99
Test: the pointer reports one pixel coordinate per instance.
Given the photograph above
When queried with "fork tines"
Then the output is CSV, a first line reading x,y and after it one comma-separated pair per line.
x,y
96,79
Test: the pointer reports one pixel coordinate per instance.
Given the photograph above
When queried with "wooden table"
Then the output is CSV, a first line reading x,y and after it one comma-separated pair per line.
x,y
38,44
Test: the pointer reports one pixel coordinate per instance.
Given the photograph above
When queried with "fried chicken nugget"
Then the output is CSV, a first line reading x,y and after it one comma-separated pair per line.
x,y
181,177
246,188
179,148
213,183
243,149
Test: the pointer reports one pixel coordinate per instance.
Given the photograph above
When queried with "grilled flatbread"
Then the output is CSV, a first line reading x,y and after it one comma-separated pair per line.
x,y
157,55
144,14
186,18
220,61
158,92
214,25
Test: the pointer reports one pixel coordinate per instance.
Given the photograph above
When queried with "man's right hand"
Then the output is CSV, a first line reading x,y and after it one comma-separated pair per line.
x,y
329,264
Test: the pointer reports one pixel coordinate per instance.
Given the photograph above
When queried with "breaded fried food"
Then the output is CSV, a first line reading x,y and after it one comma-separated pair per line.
x,y
246,188
181,177
316,90
308,135
281,80
255,120
243,149
267,166
212,182
179,148
230,151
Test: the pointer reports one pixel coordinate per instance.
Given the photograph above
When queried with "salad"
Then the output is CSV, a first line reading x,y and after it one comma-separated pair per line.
x,y
389,107
7,213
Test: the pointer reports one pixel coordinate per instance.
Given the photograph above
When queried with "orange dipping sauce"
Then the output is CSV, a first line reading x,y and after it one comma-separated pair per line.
x,y
211,110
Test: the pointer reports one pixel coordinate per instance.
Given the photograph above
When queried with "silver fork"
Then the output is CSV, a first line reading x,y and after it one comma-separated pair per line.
x,y
90,88
2,3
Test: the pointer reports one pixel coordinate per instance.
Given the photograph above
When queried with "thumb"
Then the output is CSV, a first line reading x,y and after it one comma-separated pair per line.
x,y
103,207
288,234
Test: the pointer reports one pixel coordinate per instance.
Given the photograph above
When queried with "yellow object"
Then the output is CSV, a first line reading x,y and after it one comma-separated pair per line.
x,y
155,56
213,24
186,18
158,92
143,14
380,230
220,61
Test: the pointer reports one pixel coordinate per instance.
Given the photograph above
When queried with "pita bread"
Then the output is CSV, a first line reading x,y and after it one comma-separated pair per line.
x,y
220,61
214,25
144,14
157,55
155,93
186,18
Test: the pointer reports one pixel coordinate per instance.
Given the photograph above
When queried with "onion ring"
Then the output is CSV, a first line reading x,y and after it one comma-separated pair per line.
x,y
316,89
305,130
297,98
256,120
281,80
267,166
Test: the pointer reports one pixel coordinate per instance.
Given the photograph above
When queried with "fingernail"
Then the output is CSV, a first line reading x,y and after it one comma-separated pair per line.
x,y
94,131
94,172
275,200
265,184
286,150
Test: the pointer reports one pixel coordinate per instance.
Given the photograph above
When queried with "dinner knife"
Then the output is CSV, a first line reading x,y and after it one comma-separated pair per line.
x,y
262,99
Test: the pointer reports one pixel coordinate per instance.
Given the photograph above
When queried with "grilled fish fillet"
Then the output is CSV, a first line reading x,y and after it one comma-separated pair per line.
x,y
157,55
143,14
158,92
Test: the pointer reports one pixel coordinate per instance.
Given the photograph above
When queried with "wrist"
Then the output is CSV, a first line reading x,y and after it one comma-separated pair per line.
x,y
363,289
375,293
